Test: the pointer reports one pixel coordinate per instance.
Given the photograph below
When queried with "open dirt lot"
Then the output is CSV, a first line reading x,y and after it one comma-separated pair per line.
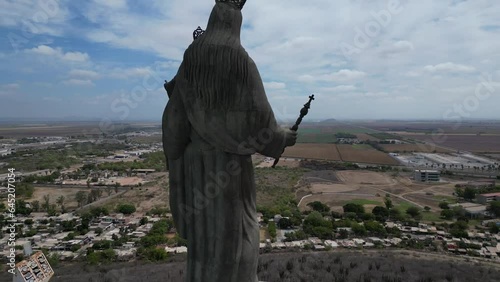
x,y
400,148
332,188
313,151
355,185
364,154
284,162
54,193
466,142
369,189
364,177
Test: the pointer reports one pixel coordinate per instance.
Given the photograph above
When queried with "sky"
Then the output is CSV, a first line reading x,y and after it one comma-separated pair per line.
x,y
363,59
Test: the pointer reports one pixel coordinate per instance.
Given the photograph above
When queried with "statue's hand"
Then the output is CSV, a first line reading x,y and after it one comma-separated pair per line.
x,y
290,137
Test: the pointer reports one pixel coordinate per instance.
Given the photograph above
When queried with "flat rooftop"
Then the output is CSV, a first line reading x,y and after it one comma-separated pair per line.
x,y
427,171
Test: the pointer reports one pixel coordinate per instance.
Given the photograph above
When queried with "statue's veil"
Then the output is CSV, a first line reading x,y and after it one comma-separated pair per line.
x,y
215,64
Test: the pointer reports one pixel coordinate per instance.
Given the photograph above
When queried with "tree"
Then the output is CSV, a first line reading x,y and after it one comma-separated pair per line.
x,y
98,231
35,205
413,211
459,191
99,211
155,254
81,198
297,235
493,228
51,211
319,207
459,212
388,203
358,229
494,208
46,202
21,208
271,228
60,202
444,205
469,193
380,213
314,220
447,214
126,208
285,223
374,227
355,208
25,189
343,234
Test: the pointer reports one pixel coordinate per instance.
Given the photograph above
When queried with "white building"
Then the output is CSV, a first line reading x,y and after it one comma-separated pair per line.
x,y
427,175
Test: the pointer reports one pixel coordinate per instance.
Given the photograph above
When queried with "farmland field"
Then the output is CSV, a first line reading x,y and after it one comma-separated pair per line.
x,y
64,129
364,154
400,148
313,151
469,127
384,136
472,143
364,136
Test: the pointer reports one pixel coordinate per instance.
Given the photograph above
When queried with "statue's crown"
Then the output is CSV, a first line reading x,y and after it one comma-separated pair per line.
x,y
238,3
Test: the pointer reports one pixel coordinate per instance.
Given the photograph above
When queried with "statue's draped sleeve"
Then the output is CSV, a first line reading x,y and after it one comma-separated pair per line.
x,y
176,127
246,127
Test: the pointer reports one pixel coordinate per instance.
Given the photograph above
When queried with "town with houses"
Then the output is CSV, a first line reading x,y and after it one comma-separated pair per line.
x,y
72,222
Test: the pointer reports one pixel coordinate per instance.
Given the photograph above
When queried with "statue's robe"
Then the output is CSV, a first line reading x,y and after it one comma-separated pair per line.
x,y
210,131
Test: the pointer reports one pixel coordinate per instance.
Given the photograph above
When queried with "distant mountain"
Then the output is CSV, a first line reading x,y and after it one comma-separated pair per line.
x,y
330,120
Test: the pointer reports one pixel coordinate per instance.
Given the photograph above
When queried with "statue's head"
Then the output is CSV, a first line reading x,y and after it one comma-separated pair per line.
x,y
236,3
226,17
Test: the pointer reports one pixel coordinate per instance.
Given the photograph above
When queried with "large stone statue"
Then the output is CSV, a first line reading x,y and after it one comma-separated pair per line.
x,y
217,116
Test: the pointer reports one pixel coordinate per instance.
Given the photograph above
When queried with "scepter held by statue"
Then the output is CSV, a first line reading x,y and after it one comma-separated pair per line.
x,y
295,127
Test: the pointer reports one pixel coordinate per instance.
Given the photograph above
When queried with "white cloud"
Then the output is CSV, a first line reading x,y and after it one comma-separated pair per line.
x,y
79,82
424,48
114,4
52,99
58,53
345,74
449,67
376,95
398,48
10,86
339,88
78,73
341,75
273,85
36,17
8,89
126,73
